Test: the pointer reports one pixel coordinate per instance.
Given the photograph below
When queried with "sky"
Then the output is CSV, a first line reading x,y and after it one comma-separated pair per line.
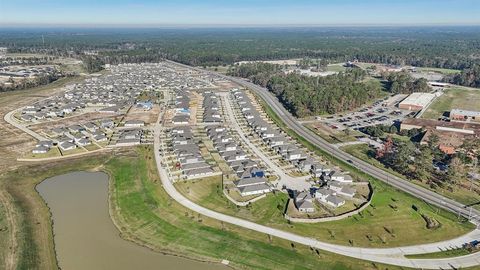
x,y
238,12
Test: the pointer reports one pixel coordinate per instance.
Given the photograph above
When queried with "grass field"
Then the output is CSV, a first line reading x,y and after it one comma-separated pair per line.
x,y
333,136
5,235
147,215
442,254
445,71
336,67
455,98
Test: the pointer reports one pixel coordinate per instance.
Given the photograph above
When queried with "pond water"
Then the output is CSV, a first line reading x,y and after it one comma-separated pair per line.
x,y
85,236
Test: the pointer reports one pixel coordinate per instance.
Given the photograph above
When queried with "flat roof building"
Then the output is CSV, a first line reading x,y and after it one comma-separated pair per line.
x,y
464,115
416,101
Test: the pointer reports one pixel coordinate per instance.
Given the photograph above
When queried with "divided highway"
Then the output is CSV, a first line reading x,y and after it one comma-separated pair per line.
x,y
422,193
429,196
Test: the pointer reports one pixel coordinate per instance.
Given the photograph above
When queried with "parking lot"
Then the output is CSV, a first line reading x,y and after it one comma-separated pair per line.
x,y
383,111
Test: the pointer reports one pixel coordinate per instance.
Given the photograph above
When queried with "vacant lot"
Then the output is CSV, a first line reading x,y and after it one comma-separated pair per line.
x,y
455,98
444,71
149,117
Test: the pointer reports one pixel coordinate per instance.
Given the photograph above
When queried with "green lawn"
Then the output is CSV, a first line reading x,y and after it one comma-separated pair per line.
x,y
455,98
445,71
391,210
442,254
147,214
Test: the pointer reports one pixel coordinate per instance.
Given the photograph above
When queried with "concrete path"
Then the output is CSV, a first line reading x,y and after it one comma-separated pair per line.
x,y
392,256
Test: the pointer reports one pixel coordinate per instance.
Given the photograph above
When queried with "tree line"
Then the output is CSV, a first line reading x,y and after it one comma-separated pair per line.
x,y
423,47
404,83
305,96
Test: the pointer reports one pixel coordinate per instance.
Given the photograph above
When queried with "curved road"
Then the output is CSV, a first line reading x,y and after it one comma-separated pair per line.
x,y
427,195
393,256
411,188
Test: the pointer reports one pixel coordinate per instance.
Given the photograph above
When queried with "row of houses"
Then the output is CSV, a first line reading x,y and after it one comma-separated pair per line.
x,y
188,155
328,178
211,107
252,179
182,108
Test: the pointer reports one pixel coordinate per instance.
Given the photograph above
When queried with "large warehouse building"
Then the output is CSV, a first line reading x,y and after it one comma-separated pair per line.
x,y
416,101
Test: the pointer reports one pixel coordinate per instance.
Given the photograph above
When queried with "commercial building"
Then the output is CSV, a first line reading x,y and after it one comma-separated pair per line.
x,y
465,115
416,101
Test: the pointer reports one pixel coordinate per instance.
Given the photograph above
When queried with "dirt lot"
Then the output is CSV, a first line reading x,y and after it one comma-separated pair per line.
x,y
149,117
226,85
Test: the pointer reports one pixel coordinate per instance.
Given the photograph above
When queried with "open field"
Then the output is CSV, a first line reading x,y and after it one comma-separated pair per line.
x,y
455,98
444,71
331,135
460,194
146,214
336,67
442,254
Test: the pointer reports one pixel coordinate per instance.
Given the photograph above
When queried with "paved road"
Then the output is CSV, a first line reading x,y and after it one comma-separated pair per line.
x,y
296,183
429,196
394,256
9,119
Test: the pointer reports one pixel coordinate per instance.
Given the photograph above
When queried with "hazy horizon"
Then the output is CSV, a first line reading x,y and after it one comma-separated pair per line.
x,y
246,13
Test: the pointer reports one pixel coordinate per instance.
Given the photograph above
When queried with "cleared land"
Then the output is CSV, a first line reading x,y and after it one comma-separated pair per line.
x,y
455,98
444,71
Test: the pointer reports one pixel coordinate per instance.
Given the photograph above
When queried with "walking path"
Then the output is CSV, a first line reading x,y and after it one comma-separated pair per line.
x,y
394,256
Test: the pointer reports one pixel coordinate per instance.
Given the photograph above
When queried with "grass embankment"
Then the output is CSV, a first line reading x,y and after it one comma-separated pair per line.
x,y
390,215
32,218
443,254
454,98
390,221
148,215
